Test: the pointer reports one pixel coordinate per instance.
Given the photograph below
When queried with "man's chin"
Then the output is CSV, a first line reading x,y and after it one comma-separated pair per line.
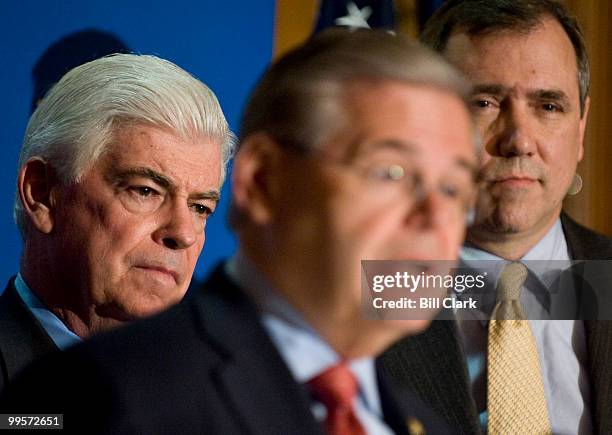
x,y
140,305
506,220
141,309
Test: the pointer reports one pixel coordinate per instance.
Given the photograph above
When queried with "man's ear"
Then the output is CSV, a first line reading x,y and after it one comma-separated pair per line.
x,y
35,184
256,177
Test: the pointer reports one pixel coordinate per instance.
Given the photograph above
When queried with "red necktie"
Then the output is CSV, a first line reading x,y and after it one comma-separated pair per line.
x,y
336,388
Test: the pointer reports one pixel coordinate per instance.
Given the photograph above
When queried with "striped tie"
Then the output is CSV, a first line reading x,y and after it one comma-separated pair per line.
x,y
336,388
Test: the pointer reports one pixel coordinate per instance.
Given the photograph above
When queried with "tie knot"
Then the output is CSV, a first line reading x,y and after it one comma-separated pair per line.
x,y
511,281
336,387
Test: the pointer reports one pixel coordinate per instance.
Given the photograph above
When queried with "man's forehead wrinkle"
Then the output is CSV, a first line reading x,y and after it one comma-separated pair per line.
x,y
388,144
489,88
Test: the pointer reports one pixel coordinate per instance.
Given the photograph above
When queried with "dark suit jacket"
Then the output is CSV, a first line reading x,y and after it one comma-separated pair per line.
x,y
22,339
204,366
433,363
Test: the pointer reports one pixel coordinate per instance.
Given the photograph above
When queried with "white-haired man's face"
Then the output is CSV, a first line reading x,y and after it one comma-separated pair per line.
x,y
127,236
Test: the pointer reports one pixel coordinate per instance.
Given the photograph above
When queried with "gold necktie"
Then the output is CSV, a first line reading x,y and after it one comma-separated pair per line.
x,y
516,402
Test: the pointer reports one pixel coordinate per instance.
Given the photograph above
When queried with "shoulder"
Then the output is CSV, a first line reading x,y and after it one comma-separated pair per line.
x,y
404,410
584,243
133,361
22,338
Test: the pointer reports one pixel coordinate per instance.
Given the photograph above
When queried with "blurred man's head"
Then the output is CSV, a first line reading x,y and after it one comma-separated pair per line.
x,y
121,165
68,52
529,67
354,146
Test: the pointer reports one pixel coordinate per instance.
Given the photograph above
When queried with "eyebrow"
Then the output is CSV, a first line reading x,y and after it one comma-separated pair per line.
x,y
121,176
550,95
411,149
537,94
493,89
360,146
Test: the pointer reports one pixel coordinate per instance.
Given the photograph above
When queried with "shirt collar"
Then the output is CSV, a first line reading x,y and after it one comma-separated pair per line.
x,y
53,326
545,261
304,351
552,246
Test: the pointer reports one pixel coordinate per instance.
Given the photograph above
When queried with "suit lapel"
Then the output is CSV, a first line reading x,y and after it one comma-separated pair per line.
x,y
585,244
432,365
599,342
393,413
22,339
251,366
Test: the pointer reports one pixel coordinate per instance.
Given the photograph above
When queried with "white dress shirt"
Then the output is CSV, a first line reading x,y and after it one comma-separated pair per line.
x,y
561,345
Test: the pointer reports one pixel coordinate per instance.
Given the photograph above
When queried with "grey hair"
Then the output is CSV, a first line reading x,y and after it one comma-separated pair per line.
x,y
77,119
297,101
481,17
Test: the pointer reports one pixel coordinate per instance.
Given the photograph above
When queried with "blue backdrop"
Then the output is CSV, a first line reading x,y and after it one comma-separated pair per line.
x,y
226,44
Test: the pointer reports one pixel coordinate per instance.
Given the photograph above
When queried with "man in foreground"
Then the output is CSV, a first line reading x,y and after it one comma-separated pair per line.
x,y
357,145
530,99
121,164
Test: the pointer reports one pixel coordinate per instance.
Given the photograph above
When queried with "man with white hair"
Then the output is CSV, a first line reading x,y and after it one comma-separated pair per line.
x,y
120,167
355,145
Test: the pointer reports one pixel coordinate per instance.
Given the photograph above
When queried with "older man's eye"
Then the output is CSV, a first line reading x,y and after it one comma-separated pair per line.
x,y
143,191
456,191
450,191
201,210
387,172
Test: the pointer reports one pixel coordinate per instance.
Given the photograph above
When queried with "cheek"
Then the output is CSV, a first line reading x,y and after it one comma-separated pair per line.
x,y
484,126
562,160
125,238
457,235
450,237
485,157
194,251
351,217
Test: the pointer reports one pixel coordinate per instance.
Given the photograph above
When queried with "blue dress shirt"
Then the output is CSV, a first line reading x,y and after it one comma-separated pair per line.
x,y
59,333
303,349
561,345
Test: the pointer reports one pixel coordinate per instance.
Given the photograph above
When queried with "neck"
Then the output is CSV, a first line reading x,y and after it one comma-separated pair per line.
x,y
511,245
85,326
58,293
336,318
355,337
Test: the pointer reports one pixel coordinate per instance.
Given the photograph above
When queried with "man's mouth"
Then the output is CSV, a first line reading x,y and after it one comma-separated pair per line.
x,y
160,271
515,181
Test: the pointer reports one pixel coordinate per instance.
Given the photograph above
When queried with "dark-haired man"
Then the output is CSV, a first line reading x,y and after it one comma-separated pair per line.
x,y
530,73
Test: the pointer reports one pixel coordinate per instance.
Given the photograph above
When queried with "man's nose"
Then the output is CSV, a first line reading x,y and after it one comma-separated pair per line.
x,y
438,222
517,136
178,228
431,209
